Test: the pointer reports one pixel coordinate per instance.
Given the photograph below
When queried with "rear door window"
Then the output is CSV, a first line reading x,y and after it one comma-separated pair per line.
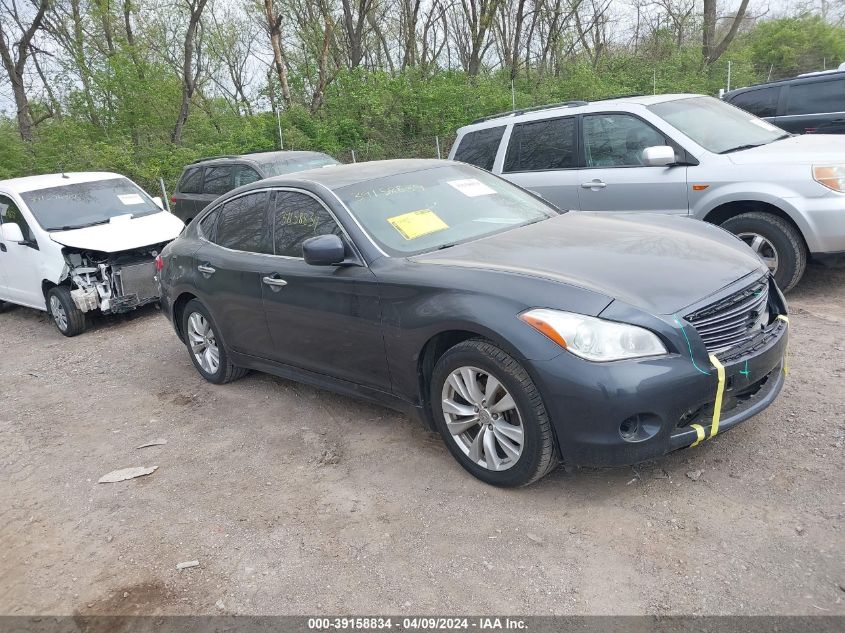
x,y
296,218
817,97
617,140
218,180
762,102
191,181
479,148
542,145
244,174
242,224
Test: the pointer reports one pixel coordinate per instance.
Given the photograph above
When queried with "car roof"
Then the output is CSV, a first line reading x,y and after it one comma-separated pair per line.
x,y
339,176
45,181
805,78
570,108
259,157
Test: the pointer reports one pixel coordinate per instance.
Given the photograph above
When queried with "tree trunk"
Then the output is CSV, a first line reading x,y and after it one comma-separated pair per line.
x,y
189,78
14,62
274,26
710,50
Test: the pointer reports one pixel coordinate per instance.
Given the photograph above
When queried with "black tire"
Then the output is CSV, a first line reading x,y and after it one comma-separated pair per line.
x,y
785,238
538,456
73,321
226,371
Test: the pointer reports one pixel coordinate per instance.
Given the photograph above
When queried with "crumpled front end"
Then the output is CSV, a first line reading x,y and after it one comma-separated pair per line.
x,y
112,282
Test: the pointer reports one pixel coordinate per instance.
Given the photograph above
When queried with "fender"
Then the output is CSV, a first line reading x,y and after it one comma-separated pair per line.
x,y
769,193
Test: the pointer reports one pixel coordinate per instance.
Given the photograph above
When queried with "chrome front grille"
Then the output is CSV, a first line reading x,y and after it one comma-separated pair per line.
x,y
733,320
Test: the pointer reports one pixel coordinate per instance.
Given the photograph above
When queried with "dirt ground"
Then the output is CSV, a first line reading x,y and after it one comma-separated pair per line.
x,y
297,501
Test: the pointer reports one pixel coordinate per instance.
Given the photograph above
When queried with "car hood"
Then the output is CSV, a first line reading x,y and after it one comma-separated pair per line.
x,y
123,233
803,149
660,264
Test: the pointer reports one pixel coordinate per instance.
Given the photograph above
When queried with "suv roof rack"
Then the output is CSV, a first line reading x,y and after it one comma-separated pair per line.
x,y
551,106
562,104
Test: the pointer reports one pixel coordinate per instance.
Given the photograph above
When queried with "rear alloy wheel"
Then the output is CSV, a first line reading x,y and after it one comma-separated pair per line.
x,y
208,354
776,242
68,319
491,415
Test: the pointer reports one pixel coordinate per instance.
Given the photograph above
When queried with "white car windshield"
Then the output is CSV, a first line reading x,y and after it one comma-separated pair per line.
x,y
435,208
81,204
717,126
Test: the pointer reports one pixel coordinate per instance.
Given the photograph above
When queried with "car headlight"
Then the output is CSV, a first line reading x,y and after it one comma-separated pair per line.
x,y
831,176
592,338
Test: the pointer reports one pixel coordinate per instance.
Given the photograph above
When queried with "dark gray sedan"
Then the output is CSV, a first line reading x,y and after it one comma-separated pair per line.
x,y
525,335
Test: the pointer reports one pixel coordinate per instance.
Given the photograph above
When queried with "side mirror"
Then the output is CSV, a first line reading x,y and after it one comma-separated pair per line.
x,y
11,232
159,202
659,156
323,250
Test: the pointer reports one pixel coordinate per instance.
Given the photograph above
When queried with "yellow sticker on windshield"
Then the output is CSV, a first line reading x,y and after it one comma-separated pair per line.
x,y
417,223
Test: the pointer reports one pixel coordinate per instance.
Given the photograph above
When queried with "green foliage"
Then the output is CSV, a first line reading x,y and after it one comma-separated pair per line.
x,y
789,46
377,114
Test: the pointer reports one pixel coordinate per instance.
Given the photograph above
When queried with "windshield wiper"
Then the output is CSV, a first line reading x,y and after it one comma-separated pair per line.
x,y
69,227
739,148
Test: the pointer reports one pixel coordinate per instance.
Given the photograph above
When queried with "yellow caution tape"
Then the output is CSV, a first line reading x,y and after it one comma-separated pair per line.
x,y
720,389
700,432
785,319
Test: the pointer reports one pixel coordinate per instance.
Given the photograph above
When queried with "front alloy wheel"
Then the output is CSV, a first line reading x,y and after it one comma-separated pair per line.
x,y
491,415
482,418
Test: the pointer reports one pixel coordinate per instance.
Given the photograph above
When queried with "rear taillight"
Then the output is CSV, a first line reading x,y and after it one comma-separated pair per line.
x,y
172,199
159,263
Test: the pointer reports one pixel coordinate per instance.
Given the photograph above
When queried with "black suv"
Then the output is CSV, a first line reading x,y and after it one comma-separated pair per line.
x,y
206,179
809,104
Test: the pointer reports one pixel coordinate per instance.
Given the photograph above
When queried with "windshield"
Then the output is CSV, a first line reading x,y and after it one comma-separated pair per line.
x,y
77,205
289,166
424,210
717,126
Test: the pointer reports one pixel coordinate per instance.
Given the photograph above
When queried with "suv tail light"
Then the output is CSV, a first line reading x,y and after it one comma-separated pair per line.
x,y
159,263
172,199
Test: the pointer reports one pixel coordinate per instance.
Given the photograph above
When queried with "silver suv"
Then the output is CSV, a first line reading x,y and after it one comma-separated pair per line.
x,y
688,155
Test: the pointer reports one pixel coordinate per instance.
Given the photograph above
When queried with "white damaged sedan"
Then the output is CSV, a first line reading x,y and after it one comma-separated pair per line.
x,y
75,243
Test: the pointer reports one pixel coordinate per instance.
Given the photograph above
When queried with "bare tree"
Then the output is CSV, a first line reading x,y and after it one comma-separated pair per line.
x,y
274,30
355,22
710,49
15,53
472,24
191,64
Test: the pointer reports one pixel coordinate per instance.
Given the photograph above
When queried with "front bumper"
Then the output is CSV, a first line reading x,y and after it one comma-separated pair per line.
x,y
825,223
595,406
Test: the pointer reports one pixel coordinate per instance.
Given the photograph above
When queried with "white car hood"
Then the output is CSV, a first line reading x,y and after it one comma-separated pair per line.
x,y
123,233
804,149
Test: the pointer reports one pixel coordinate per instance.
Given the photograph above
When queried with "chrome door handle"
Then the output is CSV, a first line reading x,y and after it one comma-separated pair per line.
x,y
594,184
274,282
206,270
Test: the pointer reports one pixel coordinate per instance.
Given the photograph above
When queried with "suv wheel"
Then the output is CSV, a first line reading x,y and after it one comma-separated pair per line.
x,y
69,319
208,354
778,244
491,415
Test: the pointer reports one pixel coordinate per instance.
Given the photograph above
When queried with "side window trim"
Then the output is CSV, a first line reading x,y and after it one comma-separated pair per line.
x,y
321,202
271,202
505,147
26,229
583,153
787,89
